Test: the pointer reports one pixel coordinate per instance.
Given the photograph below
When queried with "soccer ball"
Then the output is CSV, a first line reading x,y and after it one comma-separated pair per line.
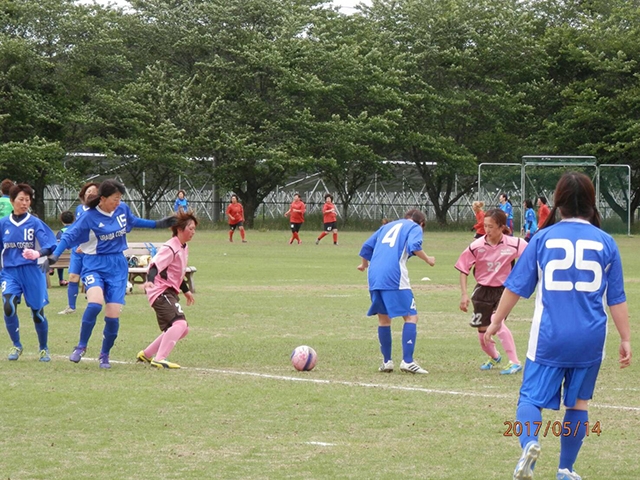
x,y
129,288
304,358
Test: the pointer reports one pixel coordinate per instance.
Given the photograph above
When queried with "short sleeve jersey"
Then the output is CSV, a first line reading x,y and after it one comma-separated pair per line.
x,y
101,233
576,269
388,250
531,224
329,213
17,235
171,262
491,263
479,226
236,211
507,208
297,217
543,213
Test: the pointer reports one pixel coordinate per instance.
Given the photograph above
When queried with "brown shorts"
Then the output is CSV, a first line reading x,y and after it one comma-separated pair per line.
x,y
485,301
168,309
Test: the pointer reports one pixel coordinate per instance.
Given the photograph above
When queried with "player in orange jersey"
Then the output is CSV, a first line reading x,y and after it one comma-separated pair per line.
x,y
329,216
235,214
296,217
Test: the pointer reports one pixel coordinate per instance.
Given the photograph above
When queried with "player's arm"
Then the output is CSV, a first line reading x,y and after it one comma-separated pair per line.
x,y
364,264
507,302
620,315
464,297
420,254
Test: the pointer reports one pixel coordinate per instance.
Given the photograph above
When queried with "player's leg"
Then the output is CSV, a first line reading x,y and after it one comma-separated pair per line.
x,y
401,303
231,230
335,236
75,268
293,233
42,330
242,234
177,331
10,303
320,237
110,331
483,299
386,342
509,346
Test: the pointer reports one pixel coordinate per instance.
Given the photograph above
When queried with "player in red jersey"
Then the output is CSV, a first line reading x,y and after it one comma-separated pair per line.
x,y
491,257
329,217
543,210
235,214
479,226
296,217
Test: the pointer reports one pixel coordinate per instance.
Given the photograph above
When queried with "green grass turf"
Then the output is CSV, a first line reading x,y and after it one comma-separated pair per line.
x,y
239,410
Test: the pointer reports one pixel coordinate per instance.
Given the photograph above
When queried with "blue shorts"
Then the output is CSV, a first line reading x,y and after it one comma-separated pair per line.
x,y
109,272
27,280
394,303
543,385
75,263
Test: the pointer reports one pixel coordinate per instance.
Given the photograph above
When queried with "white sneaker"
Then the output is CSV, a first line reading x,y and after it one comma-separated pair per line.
x,y
386,366
67,311
524,468
565,474
412,367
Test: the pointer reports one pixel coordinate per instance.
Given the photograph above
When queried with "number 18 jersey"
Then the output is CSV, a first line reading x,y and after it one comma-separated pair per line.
x,y
577,270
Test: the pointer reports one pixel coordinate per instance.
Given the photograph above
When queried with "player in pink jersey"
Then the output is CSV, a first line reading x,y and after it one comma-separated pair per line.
x,y
492,257
165,280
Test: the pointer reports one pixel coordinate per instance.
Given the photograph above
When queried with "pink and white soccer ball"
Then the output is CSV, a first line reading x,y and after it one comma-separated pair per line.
x,y
304,358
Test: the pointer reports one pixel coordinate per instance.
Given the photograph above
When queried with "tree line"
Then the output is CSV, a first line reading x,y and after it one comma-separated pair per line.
x,y
253,92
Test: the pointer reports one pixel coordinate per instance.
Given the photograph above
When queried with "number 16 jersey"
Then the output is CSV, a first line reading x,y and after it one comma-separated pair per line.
x,y
577,270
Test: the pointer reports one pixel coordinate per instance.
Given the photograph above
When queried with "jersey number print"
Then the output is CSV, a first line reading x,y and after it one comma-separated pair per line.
x,y
573,257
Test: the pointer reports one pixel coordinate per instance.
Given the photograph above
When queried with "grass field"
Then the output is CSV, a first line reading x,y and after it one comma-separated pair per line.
x,y
238,410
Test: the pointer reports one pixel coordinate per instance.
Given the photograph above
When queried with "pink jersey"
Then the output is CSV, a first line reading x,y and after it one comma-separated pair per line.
x,y
171,262
493,263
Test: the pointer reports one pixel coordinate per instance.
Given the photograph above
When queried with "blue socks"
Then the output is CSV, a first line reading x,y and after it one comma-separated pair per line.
x,y
527,414
13,327
72,293
409,333
110,333
384,336
42,327
571,444
88,322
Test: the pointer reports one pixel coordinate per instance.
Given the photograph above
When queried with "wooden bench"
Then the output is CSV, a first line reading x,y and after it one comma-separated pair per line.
x,y
138,275
63,262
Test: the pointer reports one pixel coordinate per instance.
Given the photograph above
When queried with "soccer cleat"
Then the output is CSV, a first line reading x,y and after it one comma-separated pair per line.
x,y
524,468
511,369
63,283
412,367
565,474
386,366
489,364
142,358
317,241
336,243
244,241
163,364
67,311
104,361
14,353
44,355
77,354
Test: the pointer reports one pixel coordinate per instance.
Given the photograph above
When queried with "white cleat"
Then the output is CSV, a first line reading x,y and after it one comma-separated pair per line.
x,y
67,311
412,367
386,367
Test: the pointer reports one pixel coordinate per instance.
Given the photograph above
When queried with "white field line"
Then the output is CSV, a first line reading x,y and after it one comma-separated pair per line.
x,y
360,384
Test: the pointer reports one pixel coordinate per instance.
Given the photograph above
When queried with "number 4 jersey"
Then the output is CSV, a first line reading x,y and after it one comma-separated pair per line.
x,y
577,270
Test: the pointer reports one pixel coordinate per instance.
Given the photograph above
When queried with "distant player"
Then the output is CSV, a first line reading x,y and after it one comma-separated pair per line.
x,y
296,217
101,233
329,217
88,191
530,226
20,235
5,201
181,204
66,218
491,257
385,253
235,214
164,282
477,208
575,270
543,210
507,208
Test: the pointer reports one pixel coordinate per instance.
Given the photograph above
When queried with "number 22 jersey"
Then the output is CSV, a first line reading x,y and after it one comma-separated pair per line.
x,y
577,270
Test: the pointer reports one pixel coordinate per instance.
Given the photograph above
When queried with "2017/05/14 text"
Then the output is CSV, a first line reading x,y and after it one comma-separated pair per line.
x,y
557,429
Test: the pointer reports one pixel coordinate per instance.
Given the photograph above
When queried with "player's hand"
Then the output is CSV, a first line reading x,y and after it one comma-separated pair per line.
x,y
464,303
625,354
30,254
362,267
52,259
190,298
147,285
431,260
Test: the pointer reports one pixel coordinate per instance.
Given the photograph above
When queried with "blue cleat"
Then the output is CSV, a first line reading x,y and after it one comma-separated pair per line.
x,y
489,364
77,354
511,369
565,474
104,361
15,353
44,355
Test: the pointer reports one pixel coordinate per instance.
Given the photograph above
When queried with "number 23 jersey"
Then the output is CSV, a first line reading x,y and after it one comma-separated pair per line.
x,y
577,270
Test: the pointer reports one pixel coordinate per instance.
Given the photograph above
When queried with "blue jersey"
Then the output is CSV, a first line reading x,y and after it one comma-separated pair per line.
x,y
17,235
101,233
576,268
180,204
507,208
530,221
388,250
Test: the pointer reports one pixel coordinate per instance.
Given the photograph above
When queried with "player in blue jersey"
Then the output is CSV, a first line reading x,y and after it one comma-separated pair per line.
x,y
506,207
575,269
75,263
101,234
530,226
385,253
20,235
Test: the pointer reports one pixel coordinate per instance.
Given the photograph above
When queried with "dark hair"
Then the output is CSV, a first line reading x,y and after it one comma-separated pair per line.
x,y
528,203
543,199
416,216
328,195
499,217
20,187
85,187
106,189
234,195
575,196
6,185
184,194
183,219
66,217
296,193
